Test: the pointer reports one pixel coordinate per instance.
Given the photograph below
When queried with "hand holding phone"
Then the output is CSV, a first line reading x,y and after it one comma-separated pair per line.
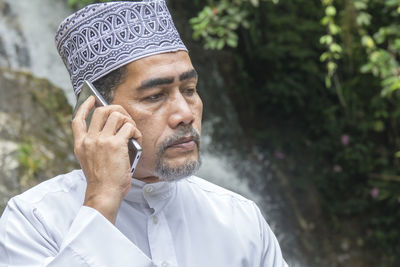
x,y
88,89
102,151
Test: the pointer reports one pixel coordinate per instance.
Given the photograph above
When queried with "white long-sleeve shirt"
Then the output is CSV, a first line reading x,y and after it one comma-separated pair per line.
x,y
188,223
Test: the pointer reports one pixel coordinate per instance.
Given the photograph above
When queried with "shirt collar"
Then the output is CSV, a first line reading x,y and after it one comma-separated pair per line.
x,y
156,195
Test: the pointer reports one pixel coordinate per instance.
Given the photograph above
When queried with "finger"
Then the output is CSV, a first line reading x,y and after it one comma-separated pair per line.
x,y
79,127
127,131
115,122
119,108
100,117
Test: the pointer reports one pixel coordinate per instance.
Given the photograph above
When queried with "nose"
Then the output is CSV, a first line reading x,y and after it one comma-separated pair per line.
x,y
181,112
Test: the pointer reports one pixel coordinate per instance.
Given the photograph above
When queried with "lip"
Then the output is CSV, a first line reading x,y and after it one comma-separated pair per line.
x,y
186,143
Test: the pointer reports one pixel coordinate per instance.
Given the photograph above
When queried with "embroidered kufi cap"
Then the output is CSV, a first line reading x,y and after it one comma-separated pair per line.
x,y
103,37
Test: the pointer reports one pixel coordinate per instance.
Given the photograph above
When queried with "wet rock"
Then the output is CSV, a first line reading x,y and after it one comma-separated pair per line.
x,y
13,46
35,134
4,8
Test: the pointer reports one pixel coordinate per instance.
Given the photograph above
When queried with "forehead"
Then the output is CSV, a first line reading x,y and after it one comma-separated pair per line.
x,y
160,65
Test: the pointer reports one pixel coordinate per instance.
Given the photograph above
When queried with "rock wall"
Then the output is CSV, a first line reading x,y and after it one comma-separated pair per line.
x,y
35,134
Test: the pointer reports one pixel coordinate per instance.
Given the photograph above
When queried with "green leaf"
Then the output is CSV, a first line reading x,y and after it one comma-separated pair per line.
x,y
366,68
328,82
335,48
246,24
360,5
379,126
374,57
324,56
72,3
194,20
363,19
326,2
231,42
325,21
220,44
208,11
331,67
326,39
255,2
334,29
330,11
367,41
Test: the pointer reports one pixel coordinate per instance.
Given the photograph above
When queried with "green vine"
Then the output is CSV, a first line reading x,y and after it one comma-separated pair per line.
x,y
217,24
333,49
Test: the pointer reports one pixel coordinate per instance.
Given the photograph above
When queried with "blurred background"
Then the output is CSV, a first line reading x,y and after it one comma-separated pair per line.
x,y
301,114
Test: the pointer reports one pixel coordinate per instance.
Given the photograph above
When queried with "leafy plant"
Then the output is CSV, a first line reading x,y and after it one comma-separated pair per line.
x,y
217,24
344,131
31,161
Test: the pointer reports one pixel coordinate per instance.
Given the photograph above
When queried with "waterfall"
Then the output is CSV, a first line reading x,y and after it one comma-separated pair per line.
x,y
27,31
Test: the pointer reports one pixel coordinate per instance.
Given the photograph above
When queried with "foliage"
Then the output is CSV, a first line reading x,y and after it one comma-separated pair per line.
x,y
334,50
339,120
31,160
383,45
217,24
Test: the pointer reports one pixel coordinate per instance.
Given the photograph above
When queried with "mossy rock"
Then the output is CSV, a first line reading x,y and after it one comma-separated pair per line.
x,y
35,132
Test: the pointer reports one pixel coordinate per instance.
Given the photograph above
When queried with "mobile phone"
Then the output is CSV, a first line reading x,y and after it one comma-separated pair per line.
x,y
135,150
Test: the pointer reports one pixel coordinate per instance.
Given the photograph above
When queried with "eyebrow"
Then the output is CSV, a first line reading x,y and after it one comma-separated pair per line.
x,y
188,75
153,82
150,83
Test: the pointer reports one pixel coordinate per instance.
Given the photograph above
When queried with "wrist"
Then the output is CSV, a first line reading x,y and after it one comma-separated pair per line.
x,y
107,203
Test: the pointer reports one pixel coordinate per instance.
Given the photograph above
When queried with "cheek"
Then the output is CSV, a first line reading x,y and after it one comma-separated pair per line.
x,y
152,129
148,131
149,140
198,112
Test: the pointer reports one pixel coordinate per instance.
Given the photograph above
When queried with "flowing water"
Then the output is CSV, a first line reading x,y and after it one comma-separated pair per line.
x,y
27,31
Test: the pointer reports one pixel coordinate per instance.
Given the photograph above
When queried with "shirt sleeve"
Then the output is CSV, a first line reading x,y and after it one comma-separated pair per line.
x,y
271,251
91,241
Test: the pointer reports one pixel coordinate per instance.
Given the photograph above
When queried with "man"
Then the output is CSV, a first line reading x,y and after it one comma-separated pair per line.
x,y
163,216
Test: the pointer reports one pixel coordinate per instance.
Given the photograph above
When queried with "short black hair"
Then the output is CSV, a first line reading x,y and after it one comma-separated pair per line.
x,y
106,85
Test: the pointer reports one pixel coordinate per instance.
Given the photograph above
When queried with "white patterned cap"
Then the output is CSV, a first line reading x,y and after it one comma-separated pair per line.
x,y
102,37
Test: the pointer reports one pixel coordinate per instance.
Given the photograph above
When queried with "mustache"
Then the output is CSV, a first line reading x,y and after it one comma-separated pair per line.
x,y
181,132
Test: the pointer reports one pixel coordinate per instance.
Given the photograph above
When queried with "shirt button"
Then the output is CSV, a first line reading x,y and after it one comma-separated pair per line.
x,y
155,219
164,264
149,189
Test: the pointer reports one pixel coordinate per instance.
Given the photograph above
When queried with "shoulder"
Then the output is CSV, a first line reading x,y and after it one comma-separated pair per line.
x,y
53,199
44,212
214,190
221,208
58,186
208,196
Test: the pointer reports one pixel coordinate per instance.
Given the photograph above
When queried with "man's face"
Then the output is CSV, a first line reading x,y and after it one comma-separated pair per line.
x,y
159,92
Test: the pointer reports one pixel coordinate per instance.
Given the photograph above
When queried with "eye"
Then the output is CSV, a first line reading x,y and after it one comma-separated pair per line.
x,y
155,97
189,91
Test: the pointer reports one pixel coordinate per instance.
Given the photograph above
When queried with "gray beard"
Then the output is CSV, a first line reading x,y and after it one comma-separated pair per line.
x,y
167,173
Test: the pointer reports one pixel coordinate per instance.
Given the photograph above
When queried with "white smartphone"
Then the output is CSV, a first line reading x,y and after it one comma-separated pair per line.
x,y
135,150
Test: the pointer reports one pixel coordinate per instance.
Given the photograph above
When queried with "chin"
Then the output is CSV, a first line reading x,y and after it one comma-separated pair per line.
x,y
171,170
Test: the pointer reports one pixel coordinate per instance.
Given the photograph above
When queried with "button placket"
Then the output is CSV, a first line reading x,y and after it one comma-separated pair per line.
x,y
160,241
155,219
